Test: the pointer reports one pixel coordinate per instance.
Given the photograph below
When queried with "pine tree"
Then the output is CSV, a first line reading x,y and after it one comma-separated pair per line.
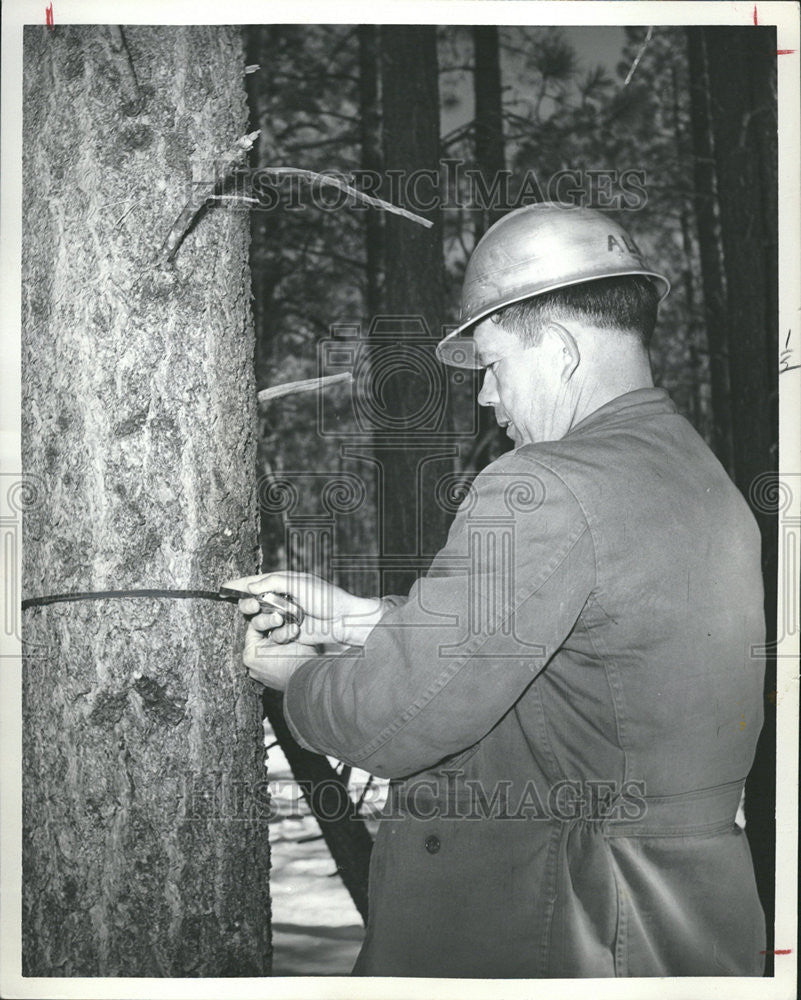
x,y
145,845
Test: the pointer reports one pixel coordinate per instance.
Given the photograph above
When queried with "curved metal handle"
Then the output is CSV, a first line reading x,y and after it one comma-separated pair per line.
x,y
284,604
270,600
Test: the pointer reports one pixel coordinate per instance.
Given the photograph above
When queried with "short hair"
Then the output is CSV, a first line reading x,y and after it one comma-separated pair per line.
x,y
625,302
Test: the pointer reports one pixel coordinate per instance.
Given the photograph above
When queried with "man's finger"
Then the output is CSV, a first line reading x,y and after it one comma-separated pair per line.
x,y
249,606
311,593
241,583
253,640
279,582
270,664
285,633
266,620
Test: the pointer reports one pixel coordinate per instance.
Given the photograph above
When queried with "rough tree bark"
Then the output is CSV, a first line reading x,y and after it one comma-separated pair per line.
x,y
742,74
145,847
709,247
410,383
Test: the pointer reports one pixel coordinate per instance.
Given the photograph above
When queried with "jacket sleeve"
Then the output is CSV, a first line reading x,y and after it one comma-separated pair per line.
x,y
439,671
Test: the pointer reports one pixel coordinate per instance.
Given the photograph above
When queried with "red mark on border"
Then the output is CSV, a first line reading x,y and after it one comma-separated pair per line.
x,y
778,951
49,16
779,52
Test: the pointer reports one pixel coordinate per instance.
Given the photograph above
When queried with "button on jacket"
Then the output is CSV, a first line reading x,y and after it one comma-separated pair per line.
x,y
568,704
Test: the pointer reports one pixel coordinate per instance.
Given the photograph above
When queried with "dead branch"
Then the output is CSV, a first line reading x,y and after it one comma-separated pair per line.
x,y
225,166
367,199
304,385
640,54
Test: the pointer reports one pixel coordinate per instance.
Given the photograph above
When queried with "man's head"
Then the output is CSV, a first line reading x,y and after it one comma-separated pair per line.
x,y
551,359
558,307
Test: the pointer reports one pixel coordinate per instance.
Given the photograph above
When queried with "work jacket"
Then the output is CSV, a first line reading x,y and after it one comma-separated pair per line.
x,y
567,704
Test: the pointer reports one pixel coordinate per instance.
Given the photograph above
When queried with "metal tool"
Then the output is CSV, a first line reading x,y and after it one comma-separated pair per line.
x,y
269,601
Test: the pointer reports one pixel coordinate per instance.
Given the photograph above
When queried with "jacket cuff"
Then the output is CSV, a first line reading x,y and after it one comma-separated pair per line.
x,y
296,704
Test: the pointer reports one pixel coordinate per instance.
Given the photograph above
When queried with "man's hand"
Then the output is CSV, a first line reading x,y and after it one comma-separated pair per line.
x,y
332,615
272,664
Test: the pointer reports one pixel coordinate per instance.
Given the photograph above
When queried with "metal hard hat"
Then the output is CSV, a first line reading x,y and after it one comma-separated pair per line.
x,y
536,249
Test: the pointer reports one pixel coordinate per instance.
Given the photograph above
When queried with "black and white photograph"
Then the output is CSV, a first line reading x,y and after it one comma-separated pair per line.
x,y
400,499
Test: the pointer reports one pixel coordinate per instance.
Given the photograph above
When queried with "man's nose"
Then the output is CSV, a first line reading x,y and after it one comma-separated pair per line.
x,y
488,394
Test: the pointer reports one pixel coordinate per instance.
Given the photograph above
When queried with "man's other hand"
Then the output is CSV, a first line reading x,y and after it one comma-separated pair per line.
x,y
272,664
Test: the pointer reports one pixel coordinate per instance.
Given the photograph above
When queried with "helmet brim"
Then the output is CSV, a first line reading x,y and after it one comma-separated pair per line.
x,y
458,350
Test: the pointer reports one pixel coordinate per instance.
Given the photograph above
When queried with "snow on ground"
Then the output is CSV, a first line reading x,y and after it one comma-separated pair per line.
x,y
317,931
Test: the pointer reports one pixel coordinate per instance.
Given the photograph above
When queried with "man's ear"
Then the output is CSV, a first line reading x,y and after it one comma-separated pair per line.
x,y
566,343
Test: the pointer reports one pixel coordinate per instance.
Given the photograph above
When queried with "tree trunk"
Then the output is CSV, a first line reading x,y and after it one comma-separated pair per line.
x,y
370,125
490,156
489,141
145,845
744,120
695,402
742,67
409,412
709,248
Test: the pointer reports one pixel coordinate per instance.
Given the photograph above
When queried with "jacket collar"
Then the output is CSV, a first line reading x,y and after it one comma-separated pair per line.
x,y
634,405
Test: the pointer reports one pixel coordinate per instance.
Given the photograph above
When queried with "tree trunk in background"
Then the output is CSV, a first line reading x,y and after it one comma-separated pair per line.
x,y
370,125
409,384
490,156
742,67
145,850
697,410
347,838
489,141
744,120
709,248
326,793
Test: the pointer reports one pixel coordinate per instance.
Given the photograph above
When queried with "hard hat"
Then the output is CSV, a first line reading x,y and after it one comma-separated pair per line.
x,y
536,249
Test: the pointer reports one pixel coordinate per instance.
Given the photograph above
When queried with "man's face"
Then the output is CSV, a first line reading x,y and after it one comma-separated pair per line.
x,y
523,384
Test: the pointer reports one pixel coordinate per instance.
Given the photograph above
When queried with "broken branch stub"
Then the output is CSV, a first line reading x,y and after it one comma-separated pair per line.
x,y
225,166
303,385
327,179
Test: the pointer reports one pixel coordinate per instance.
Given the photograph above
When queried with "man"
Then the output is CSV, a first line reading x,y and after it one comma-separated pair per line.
x,y
568,702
